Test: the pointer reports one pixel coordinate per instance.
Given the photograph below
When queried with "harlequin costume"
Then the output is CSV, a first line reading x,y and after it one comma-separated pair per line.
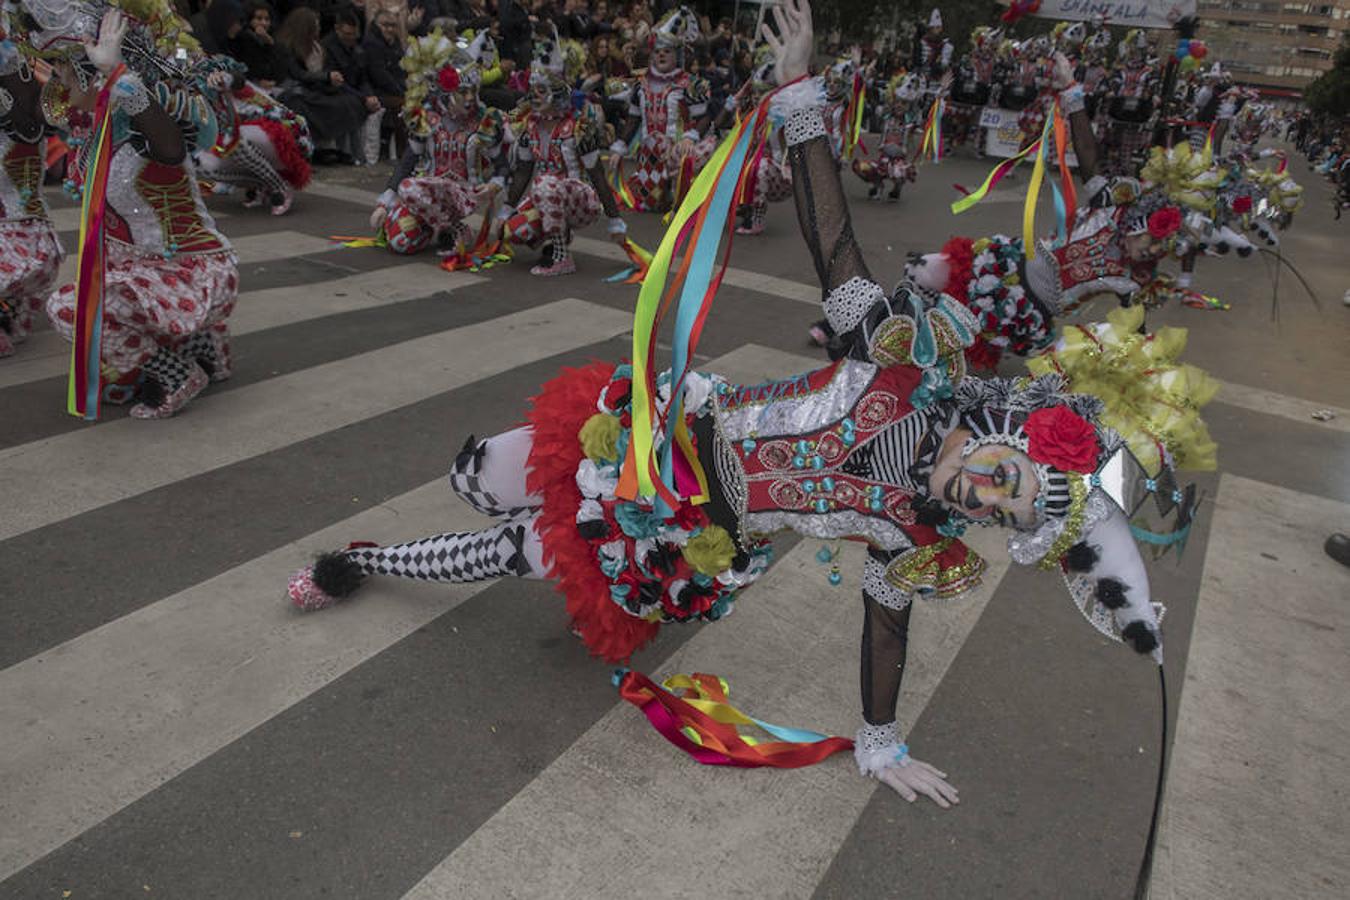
x,y
30,254
899,121
844,451
264,152
769,179
1131,87
455,144
972,88
557,185
168,278
665,109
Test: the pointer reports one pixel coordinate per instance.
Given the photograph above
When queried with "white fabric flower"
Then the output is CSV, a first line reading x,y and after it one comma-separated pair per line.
x,y
596,481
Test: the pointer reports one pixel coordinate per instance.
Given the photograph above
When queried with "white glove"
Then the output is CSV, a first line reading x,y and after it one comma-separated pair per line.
x,y
914,777
794,43
106,54
618,226
879,753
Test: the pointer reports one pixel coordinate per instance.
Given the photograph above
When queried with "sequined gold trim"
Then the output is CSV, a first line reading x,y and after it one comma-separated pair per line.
x,y
916,571
1073,523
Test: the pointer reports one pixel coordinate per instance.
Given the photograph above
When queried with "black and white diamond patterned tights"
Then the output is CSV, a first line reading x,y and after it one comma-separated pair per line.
x,y
508,548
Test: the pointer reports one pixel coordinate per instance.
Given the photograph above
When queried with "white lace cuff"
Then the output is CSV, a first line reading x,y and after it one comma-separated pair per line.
x,y
878,747
1071,99
804,125
130,95
847,304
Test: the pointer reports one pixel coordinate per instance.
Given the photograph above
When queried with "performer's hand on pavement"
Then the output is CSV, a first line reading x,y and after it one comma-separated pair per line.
x,y
106,54
377,217
916,777
794,43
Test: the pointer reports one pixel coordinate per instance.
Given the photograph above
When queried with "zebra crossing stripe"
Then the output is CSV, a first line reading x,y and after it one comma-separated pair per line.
x,y
790,653
103,719
1258,778
47,355
225,428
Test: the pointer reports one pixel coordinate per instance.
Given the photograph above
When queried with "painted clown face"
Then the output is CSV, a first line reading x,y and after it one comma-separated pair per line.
x,y
994,484
664,59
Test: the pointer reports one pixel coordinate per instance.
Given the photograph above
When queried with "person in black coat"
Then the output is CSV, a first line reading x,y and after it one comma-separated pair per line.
x,y
218,26
517,40
388,81
257,49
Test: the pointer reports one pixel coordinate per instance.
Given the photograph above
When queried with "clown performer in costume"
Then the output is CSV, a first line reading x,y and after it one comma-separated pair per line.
x,y
264,154
166,278
1129,111
1092,70
933,52
972,87
770,176
668,116
455,143
893,445
30,255
901,118
557,184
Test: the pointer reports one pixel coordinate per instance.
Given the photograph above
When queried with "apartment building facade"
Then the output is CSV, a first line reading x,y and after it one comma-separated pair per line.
x,y
1277,46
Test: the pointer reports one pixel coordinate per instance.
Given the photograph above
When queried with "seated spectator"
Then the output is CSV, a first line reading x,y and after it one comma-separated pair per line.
x,y
217,27
383,46
257,49
316,91
343,53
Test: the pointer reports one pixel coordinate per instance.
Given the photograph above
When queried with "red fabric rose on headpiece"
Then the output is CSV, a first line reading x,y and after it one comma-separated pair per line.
x,y
448,79
1164,222
1060,437
1242,205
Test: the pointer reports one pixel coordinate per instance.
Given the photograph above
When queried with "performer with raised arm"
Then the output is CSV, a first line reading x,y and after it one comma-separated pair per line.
x,y
158,281
893,445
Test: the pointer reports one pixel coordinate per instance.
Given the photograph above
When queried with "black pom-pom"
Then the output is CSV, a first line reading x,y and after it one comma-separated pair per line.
x,y
150,392
207,365
1111,593
1081,557
593,529
1138,635
337,574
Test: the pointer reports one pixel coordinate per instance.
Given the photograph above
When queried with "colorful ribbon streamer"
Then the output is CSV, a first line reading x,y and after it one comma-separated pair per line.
x,y
931,148
697,227
1033,191
702,722
637,272
995,176
82,392
853,116
622,195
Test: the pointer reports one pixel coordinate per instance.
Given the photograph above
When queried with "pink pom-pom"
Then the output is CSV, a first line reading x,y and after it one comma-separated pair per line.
x,y
305,594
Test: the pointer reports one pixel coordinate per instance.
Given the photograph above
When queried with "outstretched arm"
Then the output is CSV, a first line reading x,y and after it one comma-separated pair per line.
x,y
822,210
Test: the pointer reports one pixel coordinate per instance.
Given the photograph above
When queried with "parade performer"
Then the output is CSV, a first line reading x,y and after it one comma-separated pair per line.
x,y
455,143
30,255
668,116
157,281
770,177
265,153
557,182
973,87
932,51
901,117
1132,88
843,104
893,445
1093,72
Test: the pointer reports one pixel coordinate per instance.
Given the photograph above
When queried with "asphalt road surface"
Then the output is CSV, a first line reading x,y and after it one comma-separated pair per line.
x,y
170,728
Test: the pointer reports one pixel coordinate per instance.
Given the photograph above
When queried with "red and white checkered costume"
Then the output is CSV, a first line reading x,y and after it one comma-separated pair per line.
x,y
669,105
170,274
30,255
892,157
559,199
453,159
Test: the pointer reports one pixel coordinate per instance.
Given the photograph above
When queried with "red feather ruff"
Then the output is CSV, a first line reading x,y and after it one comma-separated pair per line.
x,y
556,415
294,167
960,254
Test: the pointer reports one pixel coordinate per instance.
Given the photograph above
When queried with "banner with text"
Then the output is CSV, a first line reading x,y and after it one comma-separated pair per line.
x,y
1127,13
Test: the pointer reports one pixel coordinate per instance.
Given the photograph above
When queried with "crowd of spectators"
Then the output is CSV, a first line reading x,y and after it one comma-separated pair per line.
x,y
336,62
